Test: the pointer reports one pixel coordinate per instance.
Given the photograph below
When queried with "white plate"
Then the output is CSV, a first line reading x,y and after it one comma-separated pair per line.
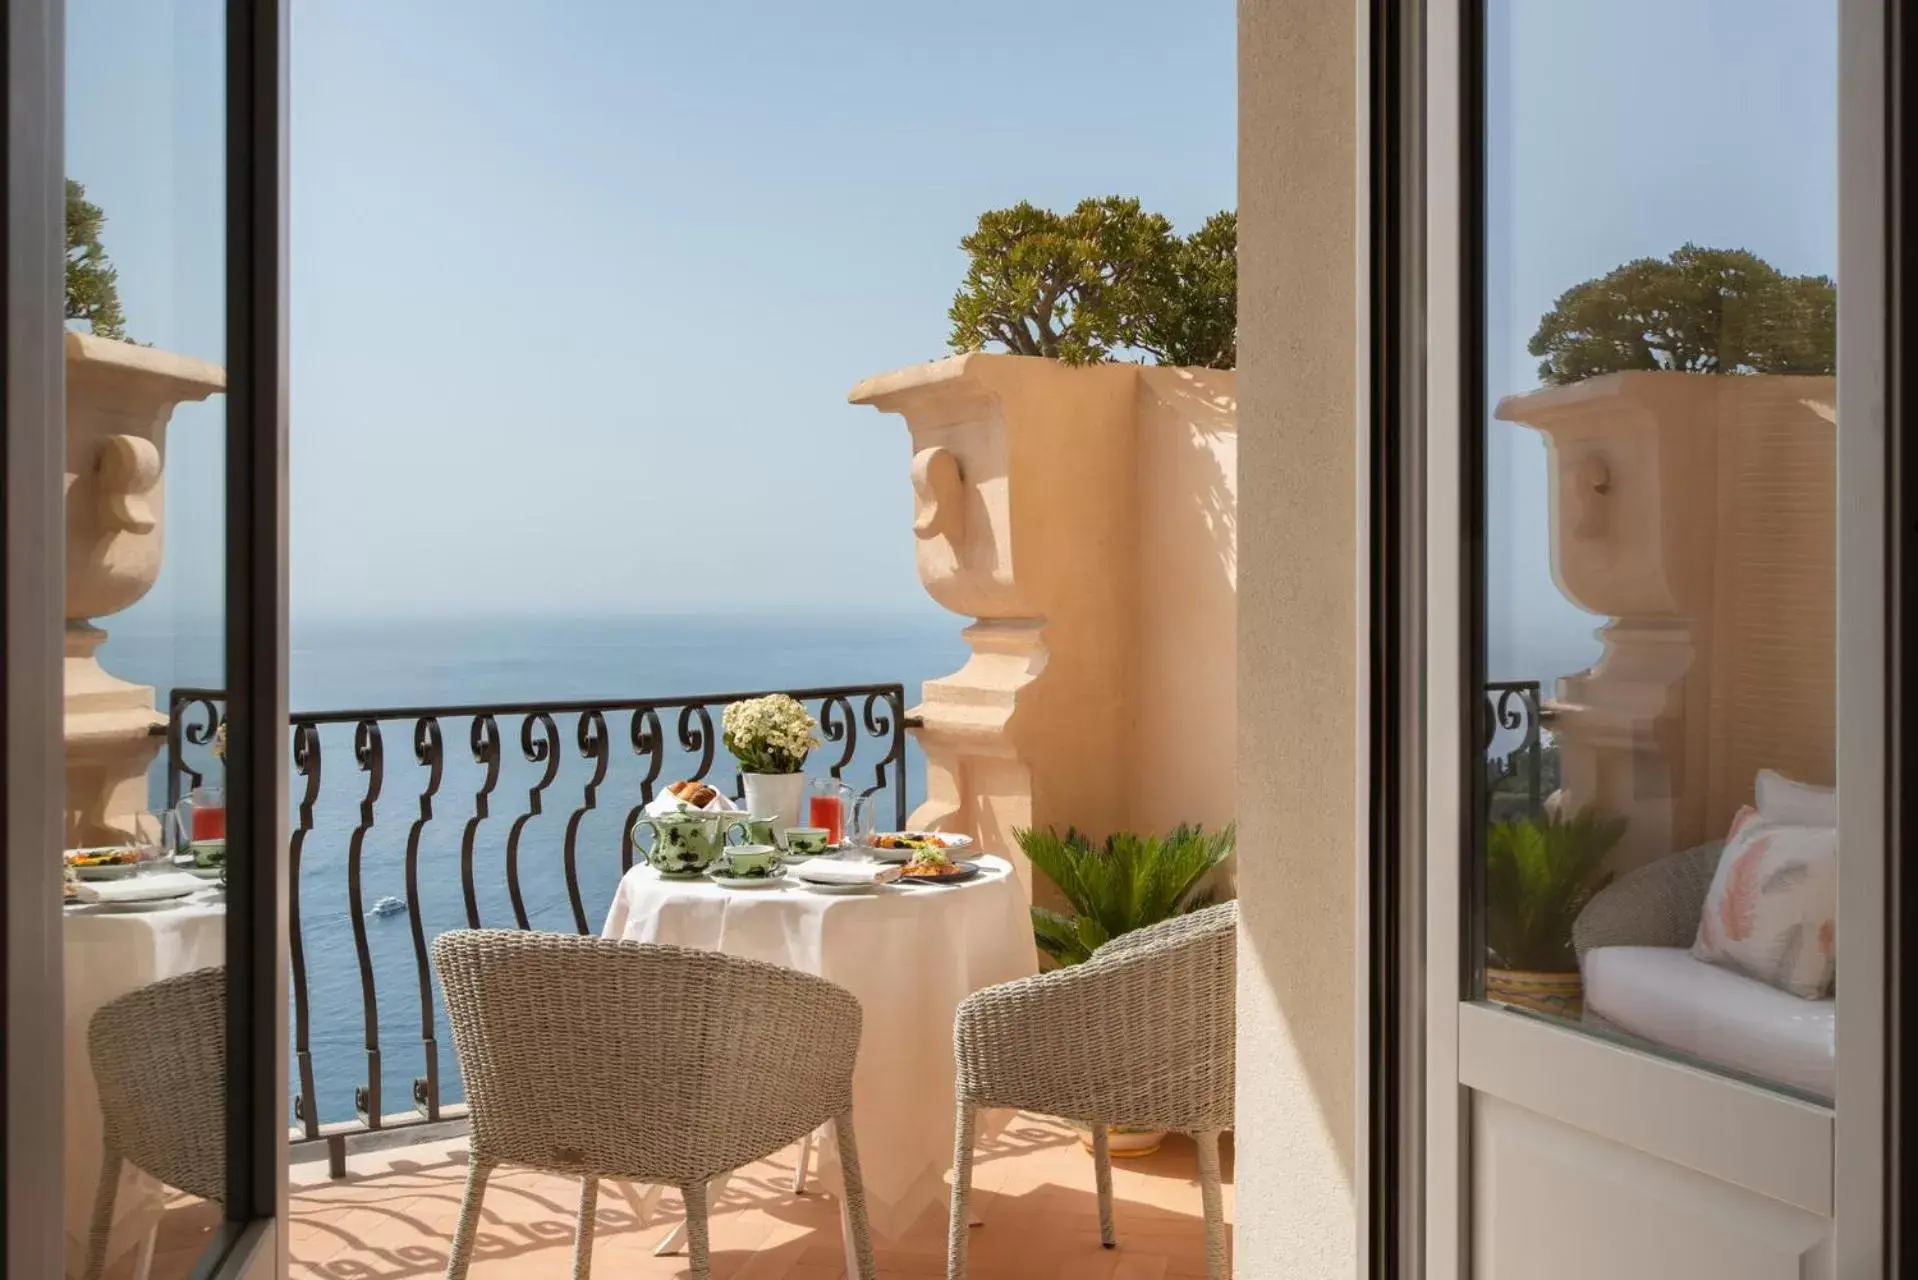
x,y
948,843
772,881
130,908
114,871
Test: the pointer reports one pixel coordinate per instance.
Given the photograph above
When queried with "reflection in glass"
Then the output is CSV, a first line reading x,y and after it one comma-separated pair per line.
x,y
144,942
1659,851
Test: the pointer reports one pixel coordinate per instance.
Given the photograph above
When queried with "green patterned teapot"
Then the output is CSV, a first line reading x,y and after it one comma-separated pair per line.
x,y
686,843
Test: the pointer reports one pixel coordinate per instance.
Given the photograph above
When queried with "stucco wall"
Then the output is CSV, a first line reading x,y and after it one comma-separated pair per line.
x,y
1185,662
1298,640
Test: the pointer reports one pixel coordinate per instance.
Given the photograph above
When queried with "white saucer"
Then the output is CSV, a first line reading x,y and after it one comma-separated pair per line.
x,y
846,889
777,878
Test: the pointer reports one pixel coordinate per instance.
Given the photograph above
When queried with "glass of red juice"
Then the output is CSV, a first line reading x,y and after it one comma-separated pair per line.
x,y
829,812
207,809
826,802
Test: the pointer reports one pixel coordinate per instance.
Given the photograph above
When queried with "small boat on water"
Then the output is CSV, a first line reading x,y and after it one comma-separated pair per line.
x,y
388,906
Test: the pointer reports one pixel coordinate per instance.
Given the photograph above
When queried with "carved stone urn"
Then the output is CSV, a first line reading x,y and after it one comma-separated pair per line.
x,y
1082,518
120,398
1698,514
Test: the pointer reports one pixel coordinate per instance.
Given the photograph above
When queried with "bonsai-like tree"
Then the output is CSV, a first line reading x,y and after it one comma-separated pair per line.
x,y
93,290
1193,316
1104,278
1698,311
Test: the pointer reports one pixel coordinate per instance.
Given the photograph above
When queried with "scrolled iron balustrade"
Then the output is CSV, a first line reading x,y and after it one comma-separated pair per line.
x,y
1517,706
861,727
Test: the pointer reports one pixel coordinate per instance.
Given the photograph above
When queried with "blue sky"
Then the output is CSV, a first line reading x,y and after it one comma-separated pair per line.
x,y
1620,129
578,290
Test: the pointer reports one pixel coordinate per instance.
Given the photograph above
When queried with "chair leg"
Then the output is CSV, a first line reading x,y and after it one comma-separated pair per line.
x,y
101,1229
960,1223
853,1206
583,1235
799,1168
477,1171
1102,1171
694,1195
1214,1202
143,1264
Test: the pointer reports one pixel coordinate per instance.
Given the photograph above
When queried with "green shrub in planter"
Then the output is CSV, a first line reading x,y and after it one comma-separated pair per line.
x,y
1127,883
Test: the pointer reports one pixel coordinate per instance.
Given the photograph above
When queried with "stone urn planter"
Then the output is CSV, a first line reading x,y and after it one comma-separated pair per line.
x,y
1696,514
120,398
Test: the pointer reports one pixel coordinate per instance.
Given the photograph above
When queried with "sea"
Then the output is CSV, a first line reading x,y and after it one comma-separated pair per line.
x,y
381,795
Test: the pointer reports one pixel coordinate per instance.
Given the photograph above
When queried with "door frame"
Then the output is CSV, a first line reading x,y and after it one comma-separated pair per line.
x,y
32,604
254,1240
1870,1161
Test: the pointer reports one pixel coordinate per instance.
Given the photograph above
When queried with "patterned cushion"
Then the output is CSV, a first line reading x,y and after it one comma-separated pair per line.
x,y
1772,910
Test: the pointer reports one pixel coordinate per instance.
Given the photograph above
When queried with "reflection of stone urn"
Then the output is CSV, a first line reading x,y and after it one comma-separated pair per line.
x,y
1698,513
119,399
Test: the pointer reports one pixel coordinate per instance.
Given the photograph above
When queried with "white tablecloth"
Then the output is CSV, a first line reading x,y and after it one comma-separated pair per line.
x,y
909,953
108,955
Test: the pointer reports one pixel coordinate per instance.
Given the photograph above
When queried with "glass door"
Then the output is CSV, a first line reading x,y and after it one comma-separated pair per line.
x,y
1646,509
146,1125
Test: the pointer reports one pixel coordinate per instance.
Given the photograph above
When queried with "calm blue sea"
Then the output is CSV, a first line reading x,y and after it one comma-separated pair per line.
x,y
355,665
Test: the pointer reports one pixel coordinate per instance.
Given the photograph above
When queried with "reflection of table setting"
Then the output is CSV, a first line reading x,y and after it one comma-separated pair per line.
x,y
136,913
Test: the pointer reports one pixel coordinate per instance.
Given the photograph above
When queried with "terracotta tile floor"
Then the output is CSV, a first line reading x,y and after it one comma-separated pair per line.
x,y
393,1218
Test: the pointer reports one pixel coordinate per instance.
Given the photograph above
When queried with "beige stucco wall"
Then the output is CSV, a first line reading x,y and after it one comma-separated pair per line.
x,y
1299,673
1186,647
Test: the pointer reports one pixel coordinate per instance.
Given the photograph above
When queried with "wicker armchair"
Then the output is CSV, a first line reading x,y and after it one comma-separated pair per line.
x,y
1657,905
1142,1034
645,1063
159,1061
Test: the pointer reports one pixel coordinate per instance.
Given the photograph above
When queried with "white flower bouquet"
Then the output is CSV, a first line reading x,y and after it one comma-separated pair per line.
x,y
773,734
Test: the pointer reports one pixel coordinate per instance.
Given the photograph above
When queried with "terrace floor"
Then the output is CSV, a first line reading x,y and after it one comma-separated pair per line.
x,y
393,1216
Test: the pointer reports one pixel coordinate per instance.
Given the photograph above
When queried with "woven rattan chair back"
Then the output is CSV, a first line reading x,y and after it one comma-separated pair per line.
x,y
159,1062
624,1059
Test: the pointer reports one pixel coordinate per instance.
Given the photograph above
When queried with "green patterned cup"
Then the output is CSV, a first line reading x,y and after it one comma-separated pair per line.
x,y
806,840
750,861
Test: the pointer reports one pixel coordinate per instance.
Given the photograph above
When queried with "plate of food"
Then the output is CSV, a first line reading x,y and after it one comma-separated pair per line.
x,y
931,866
901,846
104,862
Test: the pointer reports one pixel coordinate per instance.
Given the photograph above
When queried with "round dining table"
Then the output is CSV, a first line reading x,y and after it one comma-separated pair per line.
x,y
909,953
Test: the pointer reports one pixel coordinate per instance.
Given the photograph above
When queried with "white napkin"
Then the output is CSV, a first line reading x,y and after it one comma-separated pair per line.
x,y
153,888
666,802
844,871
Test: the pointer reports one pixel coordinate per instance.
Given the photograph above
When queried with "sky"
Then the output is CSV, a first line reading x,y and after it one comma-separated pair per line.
x,y
578,290
1620,129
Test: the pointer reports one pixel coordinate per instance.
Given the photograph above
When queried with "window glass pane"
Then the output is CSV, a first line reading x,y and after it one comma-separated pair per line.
x,y
1658,857
146,442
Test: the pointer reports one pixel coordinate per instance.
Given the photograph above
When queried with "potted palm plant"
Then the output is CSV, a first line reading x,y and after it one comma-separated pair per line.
x,y
1539,874
1126,883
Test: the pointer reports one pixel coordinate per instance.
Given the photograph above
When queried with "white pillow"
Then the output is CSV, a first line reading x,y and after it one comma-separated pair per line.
x,y
1772,910
1795,804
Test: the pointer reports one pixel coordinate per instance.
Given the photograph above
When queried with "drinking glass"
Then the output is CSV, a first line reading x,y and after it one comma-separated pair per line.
x,y
866,822
828,802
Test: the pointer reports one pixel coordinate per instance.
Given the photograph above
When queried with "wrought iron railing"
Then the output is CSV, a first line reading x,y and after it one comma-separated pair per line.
x,y
1515,706
665,739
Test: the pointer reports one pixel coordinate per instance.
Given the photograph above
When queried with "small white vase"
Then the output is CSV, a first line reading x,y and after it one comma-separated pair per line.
x,y
776,797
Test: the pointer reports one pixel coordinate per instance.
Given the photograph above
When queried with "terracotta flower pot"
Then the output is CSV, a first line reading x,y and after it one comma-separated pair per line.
x,y
1123,1142
1560,994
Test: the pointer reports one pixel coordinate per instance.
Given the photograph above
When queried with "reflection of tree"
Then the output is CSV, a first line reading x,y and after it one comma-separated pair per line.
x,y
1698,311
1508,779
93,289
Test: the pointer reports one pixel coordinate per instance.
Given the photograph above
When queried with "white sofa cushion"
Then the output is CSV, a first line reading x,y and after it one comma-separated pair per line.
x,y
1669,998
1795,804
